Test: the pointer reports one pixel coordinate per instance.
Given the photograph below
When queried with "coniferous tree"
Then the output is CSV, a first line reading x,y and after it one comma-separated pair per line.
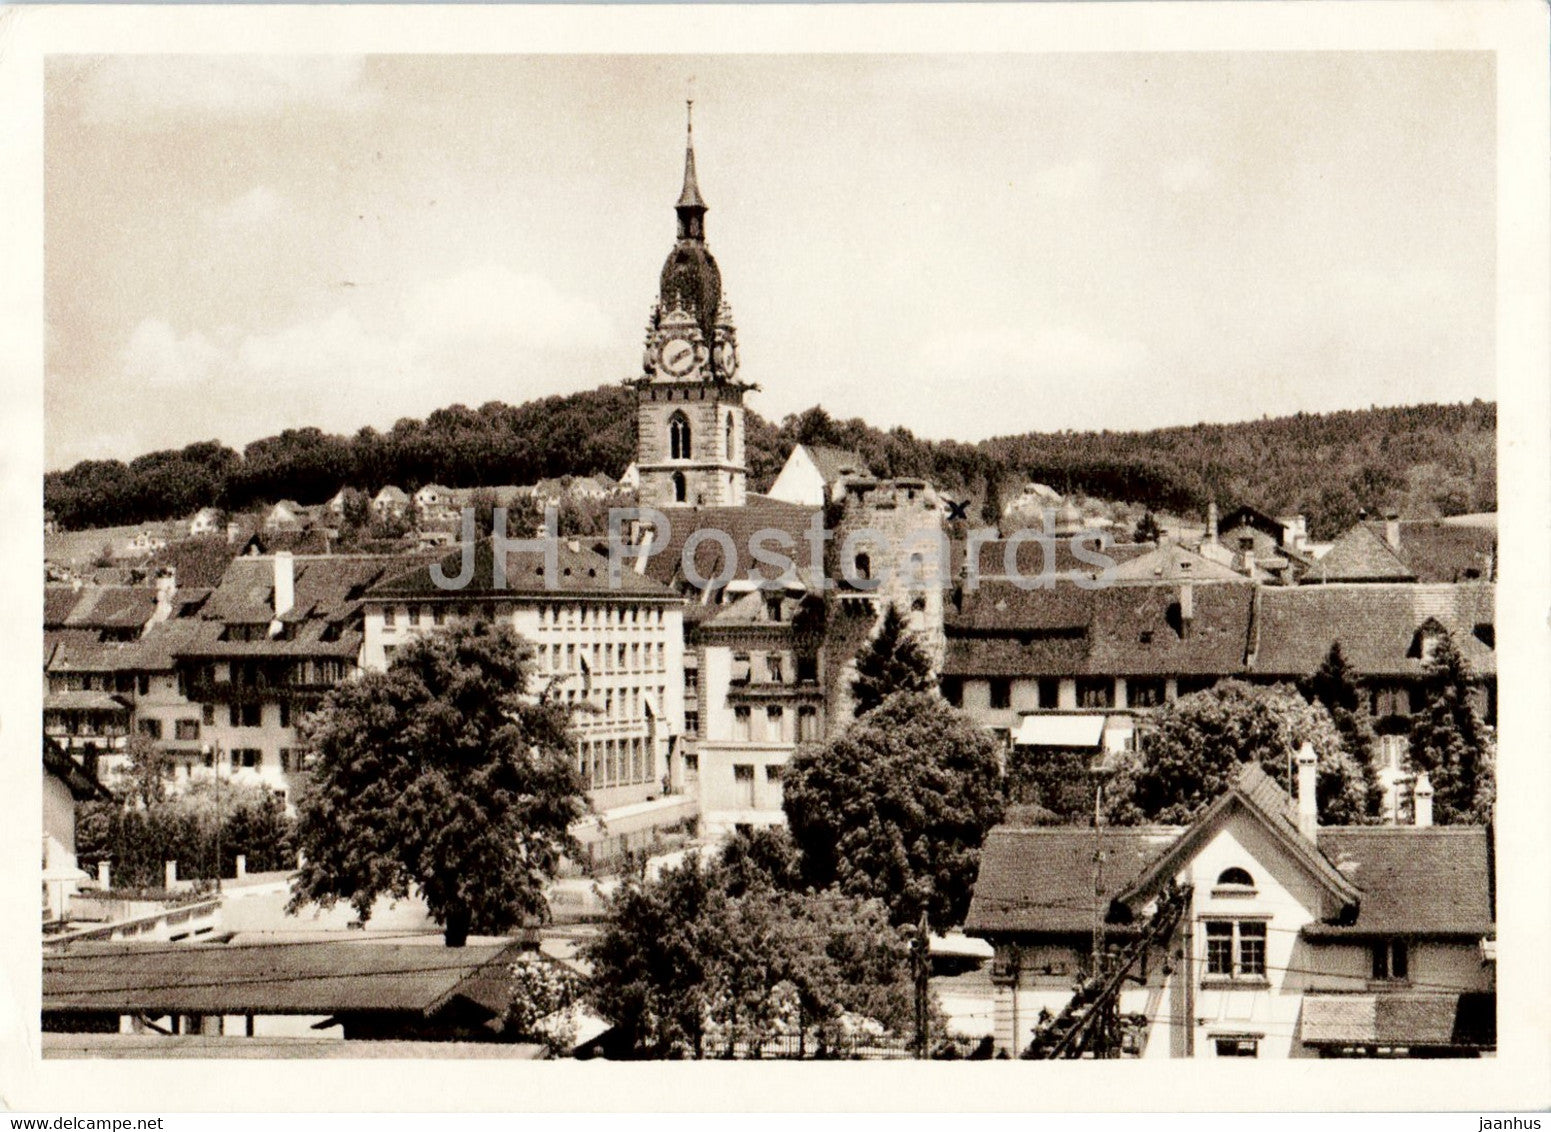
x,y
893,661
1334,685
1452,744
1147,529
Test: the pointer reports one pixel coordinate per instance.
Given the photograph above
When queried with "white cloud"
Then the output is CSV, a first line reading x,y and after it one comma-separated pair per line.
x,y
333,352
492,304
1012,354
258,207
156,356
1068,181
140,89
485,333
1189,176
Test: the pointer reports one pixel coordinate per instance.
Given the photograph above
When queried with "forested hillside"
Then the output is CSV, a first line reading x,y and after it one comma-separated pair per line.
x,y
1425,460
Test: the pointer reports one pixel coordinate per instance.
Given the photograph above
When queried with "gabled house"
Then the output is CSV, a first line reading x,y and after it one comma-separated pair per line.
x,y
287,515
1294,940
390,501
815,474
207,521
65,783
1405,550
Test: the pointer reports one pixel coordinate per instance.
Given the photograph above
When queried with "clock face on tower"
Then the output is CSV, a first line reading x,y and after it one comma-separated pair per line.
x,y
677,356
727,358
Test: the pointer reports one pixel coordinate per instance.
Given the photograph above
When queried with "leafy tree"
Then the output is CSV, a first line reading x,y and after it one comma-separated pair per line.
x,y
144,780
1195,745
687,969
1451,742
136,839
1147,529
897,806
1334,685
357,509
441,775
765,857
655,959
893,661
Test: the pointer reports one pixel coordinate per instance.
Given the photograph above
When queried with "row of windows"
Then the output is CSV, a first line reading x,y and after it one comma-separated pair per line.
x,y
617,762
554,615
551,615
621,705
773,668
1090,691
252,758
184,729
621,657
775,727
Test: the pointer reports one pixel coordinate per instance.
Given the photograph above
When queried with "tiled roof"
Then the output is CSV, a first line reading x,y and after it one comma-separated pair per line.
x,y
833,463
98,607
1003,630
1360,555
325,977
1376,625
197,562
1437,880
1030,557
1041,879
1173,563
740,524
1138,630
581,571
83,701
1436,551
1398,1018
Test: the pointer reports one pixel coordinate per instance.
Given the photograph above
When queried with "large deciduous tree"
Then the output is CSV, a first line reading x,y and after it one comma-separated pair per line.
x,y
1451,742
897,806
1194,746
442,776
892,661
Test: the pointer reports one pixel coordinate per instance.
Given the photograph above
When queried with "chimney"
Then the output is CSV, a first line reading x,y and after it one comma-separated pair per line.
x,y
285,582
104,877
169,875
1187,609
1308,800
1211,521
1423,793
1392,529
166,590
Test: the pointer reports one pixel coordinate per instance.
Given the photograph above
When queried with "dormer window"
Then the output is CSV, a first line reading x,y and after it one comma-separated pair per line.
x,y
1234,882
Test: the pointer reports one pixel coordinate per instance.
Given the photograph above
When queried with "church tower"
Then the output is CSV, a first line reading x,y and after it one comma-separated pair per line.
x,y
689,409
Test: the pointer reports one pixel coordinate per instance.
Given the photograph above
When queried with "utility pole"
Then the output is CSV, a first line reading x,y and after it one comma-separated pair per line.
x,y
215,752
921,964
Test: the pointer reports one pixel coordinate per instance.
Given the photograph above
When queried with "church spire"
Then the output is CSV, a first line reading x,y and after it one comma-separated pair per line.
x,y
691,208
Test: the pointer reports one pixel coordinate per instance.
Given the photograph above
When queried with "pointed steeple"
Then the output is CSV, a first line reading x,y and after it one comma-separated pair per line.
x,y
691,208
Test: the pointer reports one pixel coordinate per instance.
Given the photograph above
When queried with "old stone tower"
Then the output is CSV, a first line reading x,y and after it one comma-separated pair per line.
x,y
689,412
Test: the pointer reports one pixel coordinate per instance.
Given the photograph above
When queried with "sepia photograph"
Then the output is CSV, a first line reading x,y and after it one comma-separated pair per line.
x,y
694,555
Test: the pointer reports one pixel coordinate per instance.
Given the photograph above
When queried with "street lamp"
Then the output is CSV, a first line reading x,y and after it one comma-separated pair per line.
x,y
213,752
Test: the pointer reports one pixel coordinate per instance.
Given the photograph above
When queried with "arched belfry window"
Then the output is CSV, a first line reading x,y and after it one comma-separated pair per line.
x,y
729,436
678,436
680,488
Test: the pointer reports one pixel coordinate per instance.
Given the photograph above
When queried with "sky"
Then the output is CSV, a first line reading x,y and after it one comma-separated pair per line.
x,y
966,246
